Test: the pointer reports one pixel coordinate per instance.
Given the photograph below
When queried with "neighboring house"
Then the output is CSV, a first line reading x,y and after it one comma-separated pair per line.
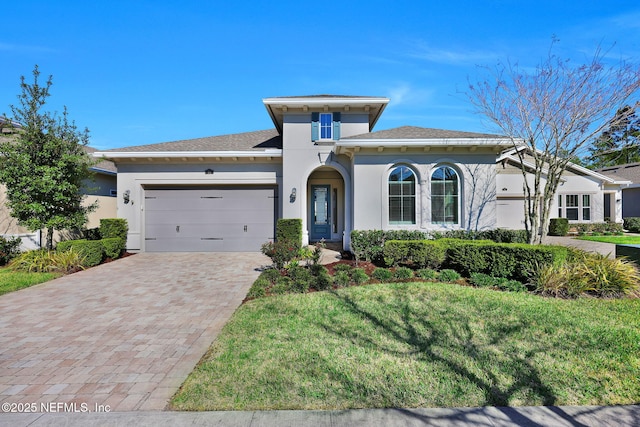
x,y
102,190
630,193
322,162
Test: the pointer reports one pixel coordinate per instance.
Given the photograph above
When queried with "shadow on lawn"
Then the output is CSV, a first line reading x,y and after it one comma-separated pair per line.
x,y
425,340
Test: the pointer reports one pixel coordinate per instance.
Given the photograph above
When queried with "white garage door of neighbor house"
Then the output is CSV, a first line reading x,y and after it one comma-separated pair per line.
x,y
511,213
209,220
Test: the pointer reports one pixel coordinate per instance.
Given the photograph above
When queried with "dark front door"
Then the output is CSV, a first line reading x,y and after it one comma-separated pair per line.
x,y
320,212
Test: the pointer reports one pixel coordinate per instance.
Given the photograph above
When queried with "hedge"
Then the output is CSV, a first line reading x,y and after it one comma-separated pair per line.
x,y
112,247
289,229
509,260
632,224
90,250
558,226
114,227
420,253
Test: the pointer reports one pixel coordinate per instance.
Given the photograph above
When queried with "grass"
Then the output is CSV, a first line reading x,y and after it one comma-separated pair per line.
x,y
13,280
419,345
629,240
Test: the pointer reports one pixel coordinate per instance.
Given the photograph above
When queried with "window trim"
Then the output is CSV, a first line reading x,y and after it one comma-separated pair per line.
x,y
580,207
328,126
414,196
458,195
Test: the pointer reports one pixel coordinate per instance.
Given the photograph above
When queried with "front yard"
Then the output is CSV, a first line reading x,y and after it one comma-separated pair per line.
x,y
419,345
14,280
621,240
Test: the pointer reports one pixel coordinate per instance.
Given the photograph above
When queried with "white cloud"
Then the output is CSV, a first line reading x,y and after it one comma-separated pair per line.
x,y
452,56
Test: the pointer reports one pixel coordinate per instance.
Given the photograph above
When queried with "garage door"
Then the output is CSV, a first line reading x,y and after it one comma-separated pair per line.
x,y
208,220
511,213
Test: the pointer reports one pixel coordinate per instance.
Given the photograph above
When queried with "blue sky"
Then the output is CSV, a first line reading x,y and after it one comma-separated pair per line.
x,y
141,72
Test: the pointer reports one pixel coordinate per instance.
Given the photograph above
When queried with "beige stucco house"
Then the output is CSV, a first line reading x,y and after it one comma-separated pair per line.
x,y
322,162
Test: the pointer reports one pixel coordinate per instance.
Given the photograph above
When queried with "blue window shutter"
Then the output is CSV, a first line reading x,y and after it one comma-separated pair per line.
x,y
315,125
336,126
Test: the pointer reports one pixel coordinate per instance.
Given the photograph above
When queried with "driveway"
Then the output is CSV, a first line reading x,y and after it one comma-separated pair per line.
x,y
124,334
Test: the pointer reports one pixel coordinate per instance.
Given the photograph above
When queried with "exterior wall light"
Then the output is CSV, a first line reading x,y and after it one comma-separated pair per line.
x,y
208,172
292,196
126,197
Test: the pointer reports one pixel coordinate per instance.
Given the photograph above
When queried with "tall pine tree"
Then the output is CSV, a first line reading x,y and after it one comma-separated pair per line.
x,y
45,166
619,143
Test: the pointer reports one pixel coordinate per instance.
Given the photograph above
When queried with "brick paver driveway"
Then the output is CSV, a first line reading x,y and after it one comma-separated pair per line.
x,y
124,334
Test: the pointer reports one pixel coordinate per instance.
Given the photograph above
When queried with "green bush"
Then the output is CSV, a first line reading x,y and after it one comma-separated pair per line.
x,y
91,234
558,226
382,274
43,261
403,273
281,252
290,230
9,249
426,274
259,288
343,267
323,281
448,275
283,285
359,276
497,235
91,251
302,279
114,227
482,280
421,253
271,275
341,279
368,245
510,260
632,224
112,247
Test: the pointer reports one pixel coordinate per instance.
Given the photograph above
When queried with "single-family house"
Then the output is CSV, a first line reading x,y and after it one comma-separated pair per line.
x,y
323,162
631,192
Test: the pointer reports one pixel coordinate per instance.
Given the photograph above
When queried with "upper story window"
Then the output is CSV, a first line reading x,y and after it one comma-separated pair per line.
x,y
325,126
402,196
445,190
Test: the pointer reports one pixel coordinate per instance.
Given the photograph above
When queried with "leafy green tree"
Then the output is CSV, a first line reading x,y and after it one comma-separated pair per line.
x,y
619,143
45,166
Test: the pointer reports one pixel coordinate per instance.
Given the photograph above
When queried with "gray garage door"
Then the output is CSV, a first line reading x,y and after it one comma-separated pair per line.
x,y
208,220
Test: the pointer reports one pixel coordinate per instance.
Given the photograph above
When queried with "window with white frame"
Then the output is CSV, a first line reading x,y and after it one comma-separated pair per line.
x,y
402,196
574,207
326,125
445,201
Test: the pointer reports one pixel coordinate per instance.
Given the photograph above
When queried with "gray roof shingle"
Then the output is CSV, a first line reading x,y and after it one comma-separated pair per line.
x,y
414,132
630,172
247,141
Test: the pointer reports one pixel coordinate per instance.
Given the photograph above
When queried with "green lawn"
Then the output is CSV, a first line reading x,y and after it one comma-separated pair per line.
x,y
13,280
630,240
419,345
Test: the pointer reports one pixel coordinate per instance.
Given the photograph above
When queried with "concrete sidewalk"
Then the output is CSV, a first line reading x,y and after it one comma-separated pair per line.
x,y
487,416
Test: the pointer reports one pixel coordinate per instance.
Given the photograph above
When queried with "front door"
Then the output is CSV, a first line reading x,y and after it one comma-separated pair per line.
x,y
320,212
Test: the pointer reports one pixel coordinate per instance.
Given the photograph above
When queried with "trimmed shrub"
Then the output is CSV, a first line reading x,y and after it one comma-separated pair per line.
x,y
382,274
283,285
343,267
271,275
632,224
323,281
359,276
91,251
558,226
114,227
302,279
112,247
448,275
91,234
259,288
512,261
421,253
426,274
341,279
499,235
403,273
290,230
482,280
9,249
368,245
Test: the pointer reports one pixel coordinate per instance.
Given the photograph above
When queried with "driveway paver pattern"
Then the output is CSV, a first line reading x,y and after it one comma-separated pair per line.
x,y
124,334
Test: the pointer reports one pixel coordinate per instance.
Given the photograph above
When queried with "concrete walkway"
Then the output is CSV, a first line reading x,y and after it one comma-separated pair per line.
x,y
608,249
619,416
124,334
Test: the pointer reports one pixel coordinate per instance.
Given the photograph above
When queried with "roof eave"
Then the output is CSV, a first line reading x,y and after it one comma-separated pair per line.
x,y
185,154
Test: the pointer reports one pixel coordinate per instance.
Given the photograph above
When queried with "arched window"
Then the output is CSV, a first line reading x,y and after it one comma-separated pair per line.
x,y
445,190
402,196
